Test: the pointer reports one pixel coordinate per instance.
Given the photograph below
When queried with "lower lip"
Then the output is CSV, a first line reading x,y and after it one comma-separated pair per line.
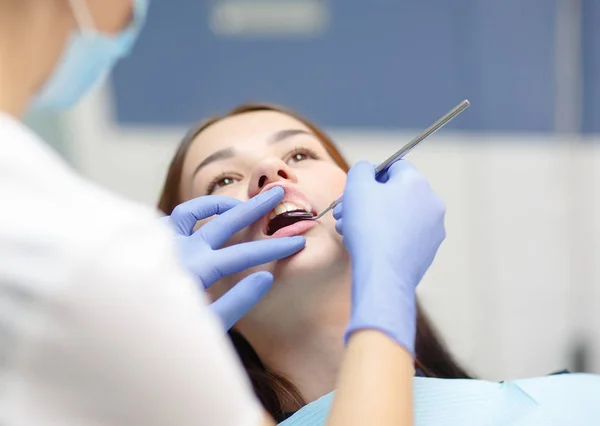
x,y
297,228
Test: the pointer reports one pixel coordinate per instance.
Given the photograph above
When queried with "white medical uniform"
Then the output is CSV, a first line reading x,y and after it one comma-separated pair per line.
x,y
99,324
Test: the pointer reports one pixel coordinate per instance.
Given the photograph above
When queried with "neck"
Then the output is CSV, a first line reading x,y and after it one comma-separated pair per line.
x,y
31,41
312,362
308,352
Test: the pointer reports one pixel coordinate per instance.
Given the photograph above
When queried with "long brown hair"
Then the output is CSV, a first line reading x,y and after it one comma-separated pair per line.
x,y
273,389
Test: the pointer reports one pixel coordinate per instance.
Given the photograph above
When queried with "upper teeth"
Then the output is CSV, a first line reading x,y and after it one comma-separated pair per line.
x,y
284,207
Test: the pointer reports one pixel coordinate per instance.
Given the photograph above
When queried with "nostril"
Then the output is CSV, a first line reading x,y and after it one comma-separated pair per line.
x,y
282,174
261,181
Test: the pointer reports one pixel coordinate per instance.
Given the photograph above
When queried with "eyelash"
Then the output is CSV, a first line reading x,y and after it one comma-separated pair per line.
x,y
212,186
310,154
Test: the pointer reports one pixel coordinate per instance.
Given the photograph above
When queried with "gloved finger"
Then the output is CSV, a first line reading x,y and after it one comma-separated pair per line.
x,y
164,220
337,211
184,216
338,227
234,304
361,172
383,176
401,169
239,257
221,228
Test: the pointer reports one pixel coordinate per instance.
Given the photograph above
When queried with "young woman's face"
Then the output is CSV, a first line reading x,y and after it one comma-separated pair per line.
x,y
244,155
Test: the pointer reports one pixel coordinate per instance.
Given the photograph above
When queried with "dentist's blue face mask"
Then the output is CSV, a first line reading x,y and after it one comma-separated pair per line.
x,y
88,58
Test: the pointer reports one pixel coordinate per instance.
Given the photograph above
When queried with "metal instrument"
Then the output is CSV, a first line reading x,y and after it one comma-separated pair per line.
x,y
383,167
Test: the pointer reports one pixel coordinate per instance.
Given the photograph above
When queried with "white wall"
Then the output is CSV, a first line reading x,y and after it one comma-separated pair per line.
x,y
514,283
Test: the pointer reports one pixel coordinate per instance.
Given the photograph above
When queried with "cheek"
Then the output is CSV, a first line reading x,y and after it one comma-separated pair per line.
x,y
338,180
238,191
325,183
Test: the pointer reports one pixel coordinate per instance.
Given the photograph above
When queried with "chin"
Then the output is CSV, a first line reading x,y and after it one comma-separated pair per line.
x,y
318,257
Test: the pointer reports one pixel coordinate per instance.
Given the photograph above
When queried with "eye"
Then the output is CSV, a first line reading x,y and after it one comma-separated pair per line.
x,y
300,154
219,182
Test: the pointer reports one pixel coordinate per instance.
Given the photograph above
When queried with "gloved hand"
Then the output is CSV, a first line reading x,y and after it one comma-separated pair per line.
x,y
392,230
201,255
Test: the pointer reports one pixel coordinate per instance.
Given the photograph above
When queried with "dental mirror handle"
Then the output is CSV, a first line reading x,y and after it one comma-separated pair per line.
x,y
383,167
331,207
449,116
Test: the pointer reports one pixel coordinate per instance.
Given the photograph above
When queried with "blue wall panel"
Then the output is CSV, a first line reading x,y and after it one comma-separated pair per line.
x,y
380,64
591,66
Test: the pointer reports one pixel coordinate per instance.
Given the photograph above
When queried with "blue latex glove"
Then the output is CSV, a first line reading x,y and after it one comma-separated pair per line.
x,y
392,231
201,255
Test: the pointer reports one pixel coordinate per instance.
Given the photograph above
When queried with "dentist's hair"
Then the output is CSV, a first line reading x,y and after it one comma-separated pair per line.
x,y
274,390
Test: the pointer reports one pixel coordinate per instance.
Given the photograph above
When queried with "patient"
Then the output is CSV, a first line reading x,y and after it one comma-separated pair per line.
x,y
291,342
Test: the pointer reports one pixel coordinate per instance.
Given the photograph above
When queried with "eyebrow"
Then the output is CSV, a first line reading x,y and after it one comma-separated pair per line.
x,y
285,134
227,153
222,154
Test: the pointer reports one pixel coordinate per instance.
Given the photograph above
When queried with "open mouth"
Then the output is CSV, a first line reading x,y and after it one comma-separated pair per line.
x,y
277,219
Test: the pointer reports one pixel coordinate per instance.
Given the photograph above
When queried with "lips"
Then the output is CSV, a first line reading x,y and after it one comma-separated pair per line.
x,y
297,228
293,200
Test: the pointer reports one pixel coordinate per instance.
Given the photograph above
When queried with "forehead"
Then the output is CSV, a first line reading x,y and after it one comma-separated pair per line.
x,y
249,131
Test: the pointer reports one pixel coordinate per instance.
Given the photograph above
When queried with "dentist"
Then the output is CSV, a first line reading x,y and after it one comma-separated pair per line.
x,y
101,320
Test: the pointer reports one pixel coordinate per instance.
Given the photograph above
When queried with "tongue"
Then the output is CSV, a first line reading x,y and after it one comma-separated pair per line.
x,y
281,221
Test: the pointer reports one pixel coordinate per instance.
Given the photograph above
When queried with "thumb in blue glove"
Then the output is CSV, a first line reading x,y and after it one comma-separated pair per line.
x,y
392,232
200,253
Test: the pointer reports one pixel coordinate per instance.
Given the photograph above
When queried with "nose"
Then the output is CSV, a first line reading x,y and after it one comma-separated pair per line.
x,y
268,171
